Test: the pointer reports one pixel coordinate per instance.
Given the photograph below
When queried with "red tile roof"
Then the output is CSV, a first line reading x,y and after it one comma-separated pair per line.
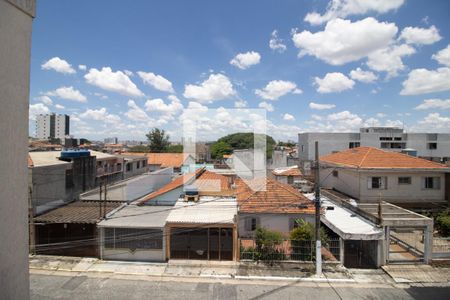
x,y
174,160
30,161
213,184
374,158
277,197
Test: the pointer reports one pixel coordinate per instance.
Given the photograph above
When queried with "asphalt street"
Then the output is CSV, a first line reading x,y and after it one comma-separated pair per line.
x,y
101,286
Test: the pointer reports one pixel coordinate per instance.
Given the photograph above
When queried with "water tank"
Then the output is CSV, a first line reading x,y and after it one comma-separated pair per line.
x,y
409,151
75,153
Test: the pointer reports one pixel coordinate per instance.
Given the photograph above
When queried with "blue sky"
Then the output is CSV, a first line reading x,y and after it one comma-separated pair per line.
x,y
120,68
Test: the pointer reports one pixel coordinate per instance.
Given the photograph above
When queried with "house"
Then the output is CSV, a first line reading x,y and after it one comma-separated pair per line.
x,y
71,230
134,233
369,174
287,174
133,165
270,204
56,177
202,220
164,160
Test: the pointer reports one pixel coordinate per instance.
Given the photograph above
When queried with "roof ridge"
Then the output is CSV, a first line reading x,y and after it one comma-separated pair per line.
x,y
364,158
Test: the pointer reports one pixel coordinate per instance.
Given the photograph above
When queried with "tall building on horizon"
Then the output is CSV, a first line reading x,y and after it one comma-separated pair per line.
x,y
52,126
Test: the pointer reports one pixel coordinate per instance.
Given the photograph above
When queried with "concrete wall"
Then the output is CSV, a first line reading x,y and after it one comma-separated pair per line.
x,y
15,45
276,222
48,184
169,198
134,168
355,184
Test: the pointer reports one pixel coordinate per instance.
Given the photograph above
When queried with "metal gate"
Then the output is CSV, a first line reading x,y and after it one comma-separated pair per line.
x,y
406,245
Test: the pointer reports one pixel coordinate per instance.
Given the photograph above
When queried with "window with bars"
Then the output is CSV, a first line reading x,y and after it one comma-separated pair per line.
x,y
132,238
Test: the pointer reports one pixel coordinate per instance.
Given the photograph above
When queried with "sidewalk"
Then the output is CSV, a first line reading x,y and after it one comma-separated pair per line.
x,y
188,268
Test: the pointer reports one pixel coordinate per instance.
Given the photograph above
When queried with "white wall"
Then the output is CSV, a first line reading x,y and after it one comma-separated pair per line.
x,y
15,45
276,222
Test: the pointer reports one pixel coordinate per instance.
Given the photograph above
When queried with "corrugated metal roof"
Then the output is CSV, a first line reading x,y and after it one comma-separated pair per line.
x,y
133,216
77,212
207,210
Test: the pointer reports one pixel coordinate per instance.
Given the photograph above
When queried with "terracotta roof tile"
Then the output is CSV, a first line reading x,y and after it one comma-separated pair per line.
x,y
30,161
277,197
374,158
174,160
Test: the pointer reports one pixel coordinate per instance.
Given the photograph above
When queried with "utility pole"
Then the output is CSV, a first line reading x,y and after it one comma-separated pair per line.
x,y
100,197
104,207
317,204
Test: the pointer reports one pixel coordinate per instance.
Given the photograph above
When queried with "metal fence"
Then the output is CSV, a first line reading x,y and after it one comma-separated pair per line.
x,y
441,247
289,250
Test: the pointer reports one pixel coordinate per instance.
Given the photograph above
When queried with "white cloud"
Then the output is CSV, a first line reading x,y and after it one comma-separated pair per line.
x,y
59,65
276,89
246,60
288,117
381,115
82,67
100,115
343,41
344,8
240,104
37,109
128,73
136,113
267,106
101,96
336,122
157,81
320,106
420,36
117,81
434,103
443,56
46,100
276,43
59,106
423,81
216,87
363,76
68,93
389,59
434,122
333,83
158,105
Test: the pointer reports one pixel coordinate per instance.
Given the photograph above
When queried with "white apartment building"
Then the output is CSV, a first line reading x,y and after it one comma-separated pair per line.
x,y
431,146
52,126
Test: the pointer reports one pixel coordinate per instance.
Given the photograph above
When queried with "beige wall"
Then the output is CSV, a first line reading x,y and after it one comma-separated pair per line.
x,y
354,184
15,45
276,222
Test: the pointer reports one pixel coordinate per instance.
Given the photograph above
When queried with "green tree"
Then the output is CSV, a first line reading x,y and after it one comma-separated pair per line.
x,y
139,148
302,240
158,140
246,140
174,149
266,244
218,149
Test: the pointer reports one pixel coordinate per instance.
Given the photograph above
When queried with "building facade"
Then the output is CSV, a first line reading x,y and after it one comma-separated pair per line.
x,y
52,126
431,146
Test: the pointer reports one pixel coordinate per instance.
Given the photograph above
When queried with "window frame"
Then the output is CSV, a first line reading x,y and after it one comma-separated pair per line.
x,y
404,183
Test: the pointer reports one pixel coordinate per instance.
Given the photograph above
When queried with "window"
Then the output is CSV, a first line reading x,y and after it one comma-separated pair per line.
x,y
251,223
290,179
375,183
335,173
432,183
354,145
384,138
303,148
129,167
404,180
144,163
138,165
432,146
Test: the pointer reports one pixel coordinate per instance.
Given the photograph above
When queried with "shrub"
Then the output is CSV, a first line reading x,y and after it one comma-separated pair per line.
x,y
266,244
302,241
443,224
